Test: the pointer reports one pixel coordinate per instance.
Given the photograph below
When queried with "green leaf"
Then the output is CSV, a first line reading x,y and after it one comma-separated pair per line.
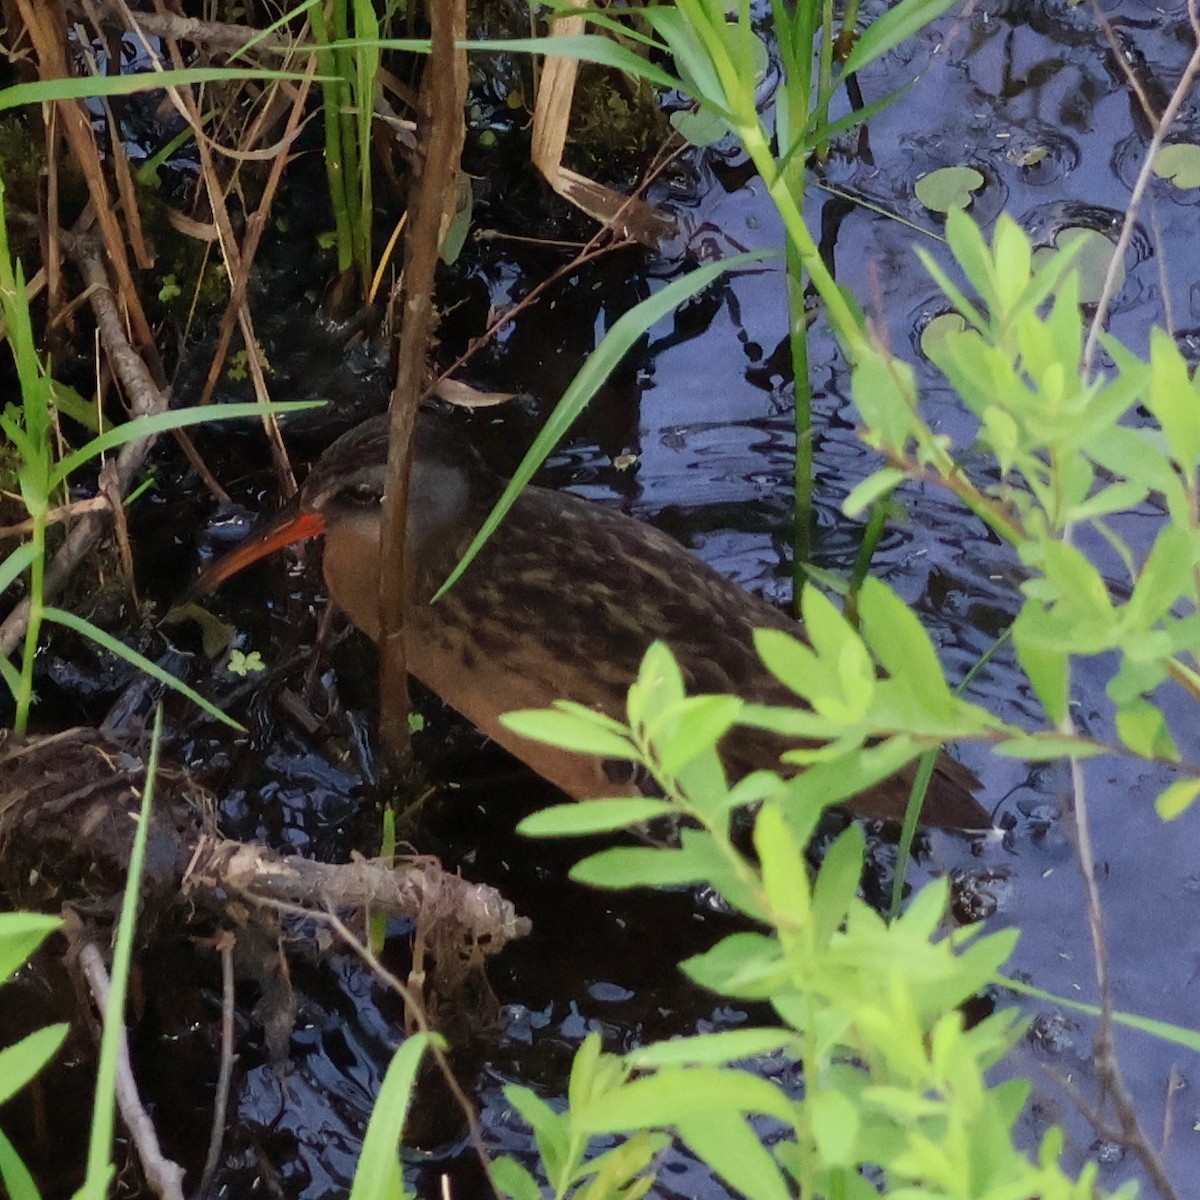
x,y
784,871
835,1126
1175,800
694,55
378,1175
1171,397
1179,163
690,728
1047,669
15,563
701,128
21,1062
640,866
140,427
730,1146
745,965
14,1175
70,403
1143,728
875,487
835,888
655,1101
586,1078
885,394
569,731
1095,251
21,934
82,88
619,340
617,1174
514,1180
113,646
788,659
904,649
893,26
549,1128
459,228
1177,1035
584,817
711,1049
827,783
948,188
789,722
658,688
1047,746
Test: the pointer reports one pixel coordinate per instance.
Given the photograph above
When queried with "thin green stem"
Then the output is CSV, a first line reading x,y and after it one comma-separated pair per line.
x,y
876,523
37,607
332,97
908,832
99,1162
842,317
804,486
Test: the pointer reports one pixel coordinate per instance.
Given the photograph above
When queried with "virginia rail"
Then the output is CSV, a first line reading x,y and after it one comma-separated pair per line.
x,y
561,603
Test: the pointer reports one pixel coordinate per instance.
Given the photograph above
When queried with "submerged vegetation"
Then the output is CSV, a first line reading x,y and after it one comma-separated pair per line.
x,y
866,1076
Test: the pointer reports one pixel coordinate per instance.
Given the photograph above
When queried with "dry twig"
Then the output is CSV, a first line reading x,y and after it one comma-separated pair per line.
x,y
164,1175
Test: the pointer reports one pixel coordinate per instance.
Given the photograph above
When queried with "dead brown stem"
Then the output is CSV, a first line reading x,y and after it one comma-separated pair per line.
x,y
47,29
225,943
443,97
164,1176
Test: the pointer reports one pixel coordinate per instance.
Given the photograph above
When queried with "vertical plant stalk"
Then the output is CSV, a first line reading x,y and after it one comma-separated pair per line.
x,y
1161,127
443,98
795,31
747,126
351,153
804,485
366,83
46,27
33,630
334,99
1108,1071
114,1076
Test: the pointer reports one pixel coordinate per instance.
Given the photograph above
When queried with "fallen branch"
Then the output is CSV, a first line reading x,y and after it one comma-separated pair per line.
x,y
68,805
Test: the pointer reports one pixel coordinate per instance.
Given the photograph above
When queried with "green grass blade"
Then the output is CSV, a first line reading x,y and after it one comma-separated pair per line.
x,y
79,625
14,1174
15,563
140,427
100,1166
891,28
1189,1039
378,1176
619,340
83,87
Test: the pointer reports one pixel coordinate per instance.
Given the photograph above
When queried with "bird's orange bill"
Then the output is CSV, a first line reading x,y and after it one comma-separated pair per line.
x,y
288,528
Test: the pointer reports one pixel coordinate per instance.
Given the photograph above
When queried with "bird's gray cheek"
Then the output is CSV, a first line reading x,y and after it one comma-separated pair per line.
x,y
437,502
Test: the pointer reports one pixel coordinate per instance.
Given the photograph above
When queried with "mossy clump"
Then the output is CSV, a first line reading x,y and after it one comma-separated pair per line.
x,y
616,123
22,161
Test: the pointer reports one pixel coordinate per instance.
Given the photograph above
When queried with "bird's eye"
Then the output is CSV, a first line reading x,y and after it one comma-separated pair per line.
x,y
359,494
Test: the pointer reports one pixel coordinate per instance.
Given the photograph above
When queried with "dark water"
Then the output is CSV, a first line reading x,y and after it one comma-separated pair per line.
x,y
706,407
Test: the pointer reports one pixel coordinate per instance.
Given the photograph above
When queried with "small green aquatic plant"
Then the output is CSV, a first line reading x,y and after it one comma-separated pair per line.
x,y
1072,452
894,1081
